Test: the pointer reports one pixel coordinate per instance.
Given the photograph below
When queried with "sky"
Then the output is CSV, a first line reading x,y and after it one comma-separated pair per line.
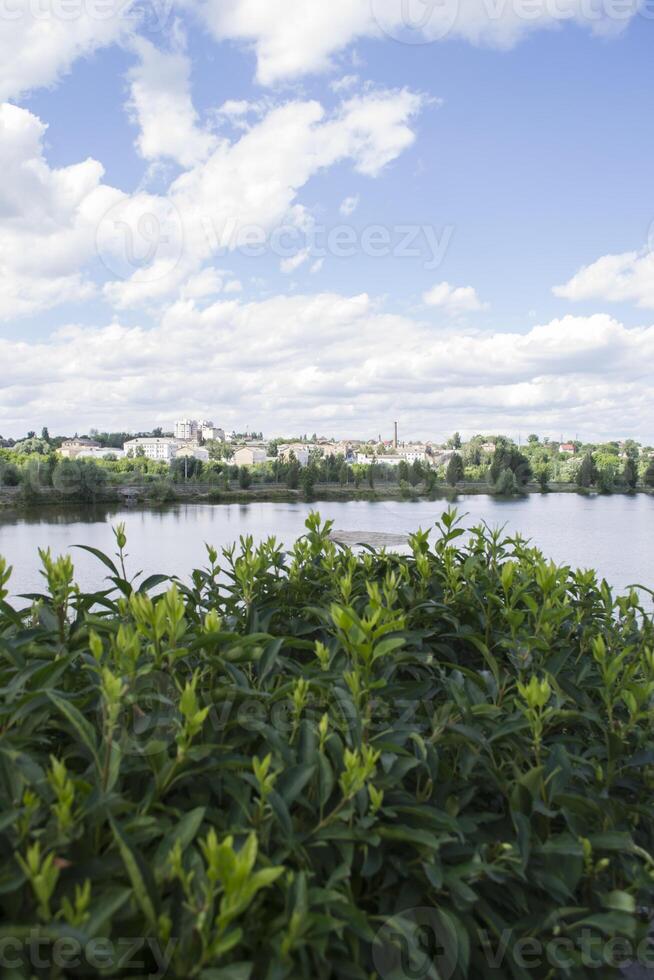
x,y
304,216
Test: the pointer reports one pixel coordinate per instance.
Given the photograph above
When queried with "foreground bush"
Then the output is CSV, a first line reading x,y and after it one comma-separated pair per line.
x,y
321,764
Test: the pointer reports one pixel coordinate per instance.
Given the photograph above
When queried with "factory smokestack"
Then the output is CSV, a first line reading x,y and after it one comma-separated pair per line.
x,y
395,436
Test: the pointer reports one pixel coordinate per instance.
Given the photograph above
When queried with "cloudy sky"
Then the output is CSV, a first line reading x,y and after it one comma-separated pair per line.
x,y
324,215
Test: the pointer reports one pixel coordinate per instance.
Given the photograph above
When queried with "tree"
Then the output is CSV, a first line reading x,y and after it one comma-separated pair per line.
x,y
455,441
45,435
415,474
506,483
507,456
532,437
630,473
293,473
371,475
403,471
307,479
343,474
587,472
542,474
649,473
454,471
244,477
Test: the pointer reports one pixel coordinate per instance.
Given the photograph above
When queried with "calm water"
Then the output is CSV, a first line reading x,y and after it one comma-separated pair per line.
x,y
615,535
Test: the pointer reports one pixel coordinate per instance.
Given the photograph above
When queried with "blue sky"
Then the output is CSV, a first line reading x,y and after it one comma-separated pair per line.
x,y
510,158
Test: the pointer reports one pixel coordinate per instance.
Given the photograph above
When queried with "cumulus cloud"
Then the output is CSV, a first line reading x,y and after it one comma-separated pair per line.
x,y
249,186
292,37
623,278
57,222
40,42
48,218
324,361
454,300
160,103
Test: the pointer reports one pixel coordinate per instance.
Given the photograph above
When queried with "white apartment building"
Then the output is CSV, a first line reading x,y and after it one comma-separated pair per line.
x,y
162,450
186,429
211,432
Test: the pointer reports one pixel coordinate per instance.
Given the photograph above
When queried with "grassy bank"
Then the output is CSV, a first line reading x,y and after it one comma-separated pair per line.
x,y
301,764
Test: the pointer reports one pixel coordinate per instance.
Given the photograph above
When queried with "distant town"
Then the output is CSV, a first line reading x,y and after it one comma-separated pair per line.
x,y
198,450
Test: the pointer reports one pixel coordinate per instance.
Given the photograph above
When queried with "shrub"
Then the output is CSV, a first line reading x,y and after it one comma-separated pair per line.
x,y
506,484
299,765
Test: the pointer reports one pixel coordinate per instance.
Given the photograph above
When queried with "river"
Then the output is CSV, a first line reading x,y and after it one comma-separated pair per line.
x,y
613,534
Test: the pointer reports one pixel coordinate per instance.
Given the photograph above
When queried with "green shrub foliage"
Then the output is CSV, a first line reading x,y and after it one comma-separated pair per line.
x,y
302,764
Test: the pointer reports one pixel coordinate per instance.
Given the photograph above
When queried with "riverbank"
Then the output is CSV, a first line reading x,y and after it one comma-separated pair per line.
x,y
19,499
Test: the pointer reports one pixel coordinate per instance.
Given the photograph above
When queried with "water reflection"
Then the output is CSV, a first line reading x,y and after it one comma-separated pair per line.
x,y
613,534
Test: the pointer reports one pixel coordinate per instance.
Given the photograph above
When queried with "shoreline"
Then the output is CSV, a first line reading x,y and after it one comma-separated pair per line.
x,y
14,499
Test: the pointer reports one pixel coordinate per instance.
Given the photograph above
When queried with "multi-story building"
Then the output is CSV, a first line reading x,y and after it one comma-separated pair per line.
x,y
192,430
211,432
186,429
162,449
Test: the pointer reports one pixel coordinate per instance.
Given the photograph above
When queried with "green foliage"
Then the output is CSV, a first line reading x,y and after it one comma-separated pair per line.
x,y
505,485
587,474
508,456
454,472
274,770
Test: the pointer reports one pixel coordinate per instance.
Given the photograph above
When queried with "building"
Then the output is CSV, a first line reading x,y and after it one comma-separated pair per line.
x,y
161,450
192,430
413,454
186,429
300,451
249,456
211,433
72,448
193,452
104,452
567,447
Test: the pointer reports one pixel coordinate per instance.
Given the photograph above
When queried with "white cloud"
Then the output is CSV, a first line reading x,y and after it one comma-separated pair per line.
x,y
349,205
252,183
344,83
57,223
455,300
48,219
624,278
292,37
160,103
294,262
333,363
40,42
